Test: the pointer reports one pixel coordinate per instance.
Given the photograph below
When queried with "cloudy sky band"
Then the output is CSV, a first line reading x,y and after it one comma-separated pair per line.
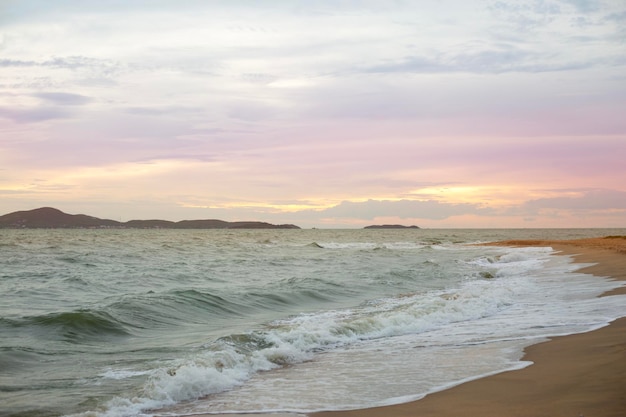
x,y
334,114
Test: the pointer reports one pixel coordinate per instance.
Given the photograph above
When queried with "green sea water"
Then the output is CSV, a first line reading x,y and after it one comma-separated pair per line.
x,y
171,322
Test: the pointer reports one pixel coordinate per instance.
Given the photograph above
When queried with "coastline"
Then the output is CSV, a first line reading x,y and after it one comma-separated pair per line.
x,y
576,375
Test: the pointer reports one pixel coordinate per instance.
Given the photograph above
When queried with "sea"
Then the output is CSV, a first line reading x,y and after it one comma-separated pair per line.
x,y
130,322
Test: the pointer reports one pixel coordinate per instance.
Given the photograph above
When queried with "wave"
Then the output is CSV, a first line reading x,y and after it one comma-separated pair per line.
x,y
229,361
136,315
71,326
367,246
18,358
193,306
127,316
174,308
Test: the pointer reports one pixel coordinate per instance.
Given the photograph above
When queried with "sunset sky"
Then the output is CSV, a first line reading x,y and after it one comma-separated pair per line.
x,y
339,113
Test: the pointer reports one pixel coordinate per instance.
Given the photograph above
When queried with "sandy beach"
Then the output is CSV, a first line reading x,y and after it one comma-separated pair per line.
x,y
576,375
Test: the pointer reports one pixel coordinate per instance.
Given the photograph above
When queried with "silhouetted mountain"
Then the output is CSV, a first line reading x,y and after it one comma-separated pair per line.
x,y
51,218
149,224
48,217
390,226
202,224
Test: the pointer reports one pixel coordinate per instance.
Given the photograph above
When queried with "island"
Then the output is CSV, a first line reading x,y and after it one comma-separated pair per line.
x,y
390,226
52,218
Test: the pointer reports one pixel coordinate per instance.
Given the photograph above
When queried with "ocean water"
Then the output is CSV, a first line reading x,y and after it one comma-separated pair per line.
x,y
176,322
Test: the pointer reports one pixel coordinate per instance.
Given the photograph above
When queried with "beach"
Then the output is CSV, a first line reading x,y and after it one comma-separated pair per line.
x,y
576,375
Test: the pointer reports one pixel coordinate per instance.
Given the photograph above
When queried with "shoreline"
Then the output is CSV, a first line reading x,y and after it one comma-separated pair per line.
x,y
582,374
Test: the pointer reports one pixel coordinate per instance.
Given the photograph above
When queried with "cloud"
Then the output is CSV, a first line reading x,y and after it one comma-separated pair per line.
x,y
526,15
405,209
7,63
617,17
344,213
599,199
33,115
488,61
64,99
75,62
585,6
318,102
251,111
164,110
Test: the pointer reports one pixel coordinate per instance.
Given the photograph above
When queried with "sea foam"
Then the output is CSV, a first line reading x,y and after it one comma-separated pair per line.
x,y
468,308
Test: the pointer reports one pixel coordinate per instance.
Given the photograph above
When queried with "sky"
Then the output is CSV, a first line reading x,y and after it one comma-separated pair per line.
x,y
329,114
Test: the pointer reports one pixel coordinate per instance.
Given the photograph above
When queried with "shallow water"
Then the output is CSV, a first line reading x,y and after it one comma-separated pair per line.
x,y
143,322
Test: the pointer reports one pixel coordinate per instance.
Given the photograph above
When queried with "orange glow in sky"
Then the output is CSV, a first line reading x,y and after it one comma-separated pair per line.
x,y
321,114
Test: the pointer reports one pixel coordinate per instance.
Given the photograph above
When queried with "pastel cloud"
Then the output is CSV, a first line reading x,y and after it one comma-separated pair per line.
x,y
583,200
63,99
403,209
321,113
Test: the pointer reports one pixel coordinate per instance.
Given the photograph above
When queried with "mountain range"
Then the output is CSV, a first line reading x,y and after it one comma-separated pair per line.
x,y
52,218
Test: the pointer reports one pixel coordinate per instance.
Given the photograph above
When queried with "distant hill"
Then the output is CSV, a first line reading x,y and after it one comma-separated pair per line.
x,y
390,226
51,218
48,217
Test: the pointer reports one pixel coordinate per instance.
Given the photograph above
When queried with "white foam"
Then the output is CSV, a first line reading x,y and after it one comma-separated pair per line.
x,y
453,336
399,245
488,320
119,374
